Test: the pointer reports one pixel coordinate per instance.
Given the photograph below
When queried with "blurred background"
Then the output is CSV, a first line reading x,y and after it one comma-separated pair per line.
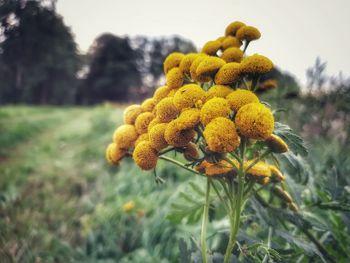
x,y
69,68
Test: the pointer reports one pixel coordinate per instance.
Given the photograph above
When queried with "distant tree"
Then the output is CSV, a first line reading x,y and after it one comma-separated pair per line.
x,y
316,77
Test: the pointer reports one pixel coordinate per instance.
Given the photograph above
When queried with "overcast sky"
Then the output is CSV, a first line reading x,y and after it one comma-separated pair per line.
x,y
294,32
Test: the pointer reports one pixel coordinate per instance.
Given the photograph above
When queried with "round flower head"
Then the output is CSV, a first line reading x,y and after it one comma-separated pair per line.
x,y
148,105
213,108
230,42
276,174
220,91
256,64
209,66
156,136
166,110
255,121
188,119
145,156
191,152
193,69
142,122
172,61
188,96
241,97
186,63
232,54
232,28
125,136
129,206
152,123
268,84
160,94
228,74
114,154
221,136
142,137
176,136
276,144
211,47
174,78
260,169
131,113
248,33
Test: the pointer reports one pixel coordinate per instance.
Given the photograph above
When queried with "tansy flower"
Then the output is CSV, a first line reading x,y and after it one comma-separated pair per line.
x,y
129,206
231,41
131,113
174,78
215,169
186,62
232,28
166,110
248,33
221,136
190,152
156,136
145,156
221,39
142,121
172,61
232,54
213,108
276,144
176,136
188,119
142,137
241,97
276,174
114,154
255,121
260,169
125,136
187,96
256,64
209,66
268,84
228,74
148,105
153,122
193,69
220,91
172,93
160,94
211,47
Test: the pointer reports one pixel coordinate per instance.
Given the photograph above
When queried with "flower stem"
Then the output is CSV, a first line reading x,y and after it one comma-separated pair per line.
x,y
205,223
166,158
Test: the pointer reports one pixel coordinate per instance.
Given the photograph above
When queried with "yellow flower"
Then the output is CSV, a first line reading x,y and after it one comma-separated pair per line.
x,y
213,108
230,41
188,96
148,105
160,94
256,64
260,169
142,137
114,154
176,136
220,91
172,61
131,113
166,110
248,33
255,121
142,121
193,69
211,47
190,152
153,122
156,136
174,78
125,136
268,84
129,206
232,54
241,97
232,28
216,169
228,74
188,118
186,63
221,136
276,144
145,156
277,176
208,67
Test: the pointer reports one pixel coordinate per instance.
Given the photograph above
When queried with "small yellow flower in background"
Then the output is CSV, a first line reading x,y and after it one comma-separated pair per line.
x,y
232,28
145,156
160,94
228,74
174,78
211,47
177,136
166,110
114,154
142,137
248,33
186,62
255,121
156,136
208,67
142,121
187,96
256,64
188,118
131,113
148,105
268,84
193,69
241,97
129,206
220,91
232,54
276,144
213,108
125,136
231,41
172,61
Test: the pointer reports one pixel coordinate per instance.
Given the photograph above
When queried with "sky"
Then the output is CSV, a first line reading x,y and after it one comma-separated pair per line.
x,y
294,32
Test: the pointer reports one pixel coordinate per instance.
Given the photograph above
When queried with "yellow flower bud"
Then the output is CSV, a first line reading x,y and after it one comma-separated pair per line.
x,y
188,118
220,91
148,105
186,62
160,93
142,137
228,74
129,206
208,67
232,54
176,136
248,33
145,156
187,96
131,113
191,152
260,169
256,64
174,78
114,154
156,136
276,144
172,61
276,174
213,108
241,97
232,28
125,136
193,69
166,110
211,47
142,121
230,41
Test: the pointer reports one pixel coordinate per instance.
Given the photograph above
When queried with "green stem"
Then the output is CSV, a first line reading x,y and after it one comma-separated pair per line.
x,y
166,158
205,223
227,208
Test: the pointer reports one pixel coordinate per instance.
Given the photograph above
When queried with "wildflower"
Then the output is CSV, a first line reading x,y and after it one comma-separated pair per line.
x,y
174,78
209,66
172,61
129,206
152,123
232,54
276,144
188,118
125,136
256,64
114,154
248,33
216,169
193,69
187,96
156,136
228,74
213,108
160,94
131,113
145,156
231,41
166,110
142,137
221,136
260,169
241,97
232,28
276,174
220,91
190,152
148,105
255,121
177,136
186,62
268,84
211,47
142,122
